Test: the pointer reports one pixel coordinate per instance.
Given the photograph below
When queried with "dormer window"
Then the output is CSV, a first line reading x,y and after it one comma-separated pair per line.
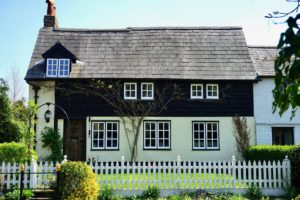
x,y
58,67
52,65
63,70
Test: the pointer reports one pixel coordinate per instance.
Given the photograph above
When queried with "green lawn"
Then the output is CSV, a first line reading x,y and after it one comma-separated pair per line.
x,y
168,181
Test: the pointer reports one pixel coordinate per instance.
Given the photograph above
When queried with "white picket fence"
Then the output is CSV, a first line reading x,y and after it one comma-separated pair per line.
x,y
36,175
235,176
134,177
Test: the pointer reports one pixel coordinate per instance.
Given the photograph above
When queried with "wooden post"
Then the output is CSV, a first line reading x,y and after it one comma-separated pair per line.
x,y
178,182
22,168
57,179
64,160
287,169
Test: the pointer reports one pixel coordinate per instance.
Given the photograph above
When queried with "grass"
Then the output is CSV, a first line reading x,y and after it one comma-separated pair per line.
x,y
168,181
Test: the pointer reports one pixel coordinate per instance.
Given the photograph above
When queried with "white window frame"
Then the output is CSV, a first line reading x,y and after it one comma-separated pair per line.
x,y
48,63
196,85
59,70
204,139
205,136
209,96
105,135
135,90
147,90
157,147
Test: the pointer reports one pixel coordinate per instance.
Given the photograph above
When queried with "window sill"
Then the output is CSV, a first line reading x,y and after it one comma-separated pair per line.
x,y
218,149
104,149
157,149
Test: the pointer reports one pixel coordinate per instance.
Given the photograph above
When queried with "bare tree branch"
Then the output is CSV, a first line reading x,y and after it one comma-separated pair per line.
x,y
15,86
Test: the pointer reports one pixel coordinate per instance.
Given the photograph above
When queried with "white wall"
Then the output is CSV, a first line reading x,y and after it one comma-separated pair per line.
x,y
265,119
45,94
181,141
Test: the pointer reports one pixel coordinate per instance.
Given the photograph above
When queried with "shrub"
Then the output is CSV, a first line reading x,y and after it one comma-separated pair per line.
x,y
27,194
13,195
241,133
51,139
77,181
267,152
294,156
151,193
15,152
106,193
253,193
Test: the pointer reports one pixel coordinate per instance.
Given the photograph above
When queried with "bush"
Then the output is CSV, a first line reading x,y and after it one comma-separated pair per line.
x,y
15,195
294,156
51,139
253,193
15,152
267,152
77,181
106,193
151,193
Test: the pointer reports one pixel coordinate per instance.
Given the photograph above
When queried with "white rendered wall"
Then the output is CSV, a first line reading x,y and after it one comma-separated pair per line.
x,y
265,119
181,141
45,94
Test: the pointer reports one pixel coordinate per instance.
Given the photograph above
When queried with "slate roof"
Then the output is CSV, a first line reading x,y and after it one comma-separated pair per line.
x,y
263,58
207,53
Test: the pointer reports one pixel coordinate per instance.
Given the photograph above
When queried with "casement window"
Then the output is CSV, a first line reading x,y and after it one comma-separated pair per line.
x,y
63,69
147,91
282,135
212,91
58,67
105,135
157,135
130,91
52,65
205,135
196,91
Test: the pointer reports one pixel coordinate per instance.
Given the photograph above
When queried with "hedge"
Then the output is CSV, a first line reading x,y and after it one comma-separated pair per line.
x,y
267,152
15,152
275,153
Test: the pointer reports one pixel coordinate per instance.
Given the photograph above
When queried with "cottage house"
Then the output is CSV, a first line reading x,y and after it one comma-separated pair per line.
x,y
211,66
270,127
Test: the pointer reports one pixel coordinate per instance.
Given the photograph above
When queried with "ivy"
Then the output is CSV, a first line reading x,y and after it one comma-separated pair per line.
x,y
51,139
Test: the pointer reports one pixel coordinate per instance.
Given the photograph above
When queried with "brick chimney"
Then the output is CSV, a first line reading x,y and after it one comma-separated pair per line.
x,y
50,19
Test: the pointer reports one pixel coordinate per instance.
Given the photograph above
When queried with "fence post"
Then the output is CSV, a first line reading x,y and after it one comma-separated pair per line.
x,y
178,172
122,171
64,160
287,168
33,175
57,179
22,168
233,170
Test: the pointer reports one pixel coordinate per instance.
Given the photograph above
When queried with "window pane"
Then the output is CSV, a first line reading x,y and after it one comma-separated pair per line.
x,y
283,135
115,143
101,143
153,142
95,143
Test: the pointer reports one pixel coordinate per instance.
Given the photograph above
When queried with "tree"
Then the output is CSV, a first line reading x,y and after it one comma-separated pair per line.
x,y
131,113
287,64
15,86
9,129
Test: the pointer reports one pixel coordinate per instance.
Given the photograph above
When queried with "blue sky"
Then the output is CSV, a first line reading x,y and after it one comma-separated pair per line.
x,y
20,21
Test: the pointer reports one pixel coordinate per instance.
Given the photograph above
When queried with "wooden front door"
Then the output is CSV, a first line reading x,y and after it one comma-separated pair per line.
x,y
74,143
